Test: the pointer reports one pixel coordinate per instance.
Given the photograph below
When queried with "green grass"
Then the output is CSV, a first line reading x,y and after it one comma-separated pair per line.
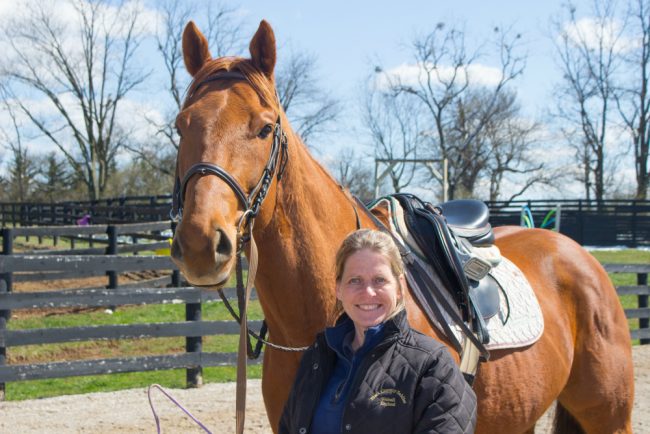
x,y
622,256
212,311
63,243
23,244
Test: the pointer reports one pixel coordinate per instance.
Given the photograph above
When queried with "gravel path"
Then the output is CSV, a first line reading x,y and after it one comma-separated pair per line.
x,y
128,411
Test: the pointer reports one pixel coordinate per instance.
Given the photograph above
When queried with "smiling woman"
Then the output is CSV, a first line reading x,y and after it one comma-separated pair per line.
x,y
369,280
371,372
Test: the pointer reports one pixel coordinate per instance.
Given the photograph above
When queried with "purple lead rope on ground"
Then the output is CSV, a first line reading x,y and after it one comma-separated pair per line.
x,y
179,405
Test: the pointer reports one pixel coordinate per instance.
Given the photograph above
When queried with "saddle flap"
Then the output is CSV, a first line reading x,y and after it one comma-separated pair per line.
x,y
485,296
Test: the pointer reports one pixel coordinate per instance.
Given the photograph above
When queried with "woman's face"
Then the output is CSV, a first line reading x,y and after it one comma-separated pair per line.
x,y
368,290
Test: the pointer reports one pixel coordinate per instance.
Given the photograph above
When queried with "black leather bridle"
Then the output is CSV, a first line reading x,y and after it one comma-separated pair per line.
x,y
252,201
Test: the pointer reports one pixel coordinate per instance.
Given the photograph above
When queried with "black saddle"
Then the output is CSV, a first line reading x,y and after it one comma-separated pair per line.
x,y
445,234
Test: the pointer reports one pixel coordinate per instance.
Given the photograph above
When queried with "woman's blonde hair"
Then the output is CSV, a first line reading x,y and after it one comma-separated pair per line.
x,y
378,242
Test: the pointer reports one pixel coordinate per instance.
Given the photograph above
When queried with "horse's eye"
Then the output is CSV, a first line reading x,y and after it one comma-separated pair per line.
x,y
268,128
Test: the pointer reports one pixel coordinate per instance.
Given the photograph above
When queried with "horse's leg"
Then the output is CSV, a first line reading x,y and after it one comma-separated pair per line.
x,y
600,390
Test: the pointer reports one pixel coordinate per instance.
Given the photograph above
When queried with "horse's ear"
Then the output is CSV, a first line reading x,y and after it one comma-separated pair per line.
x,y
262,49
195,49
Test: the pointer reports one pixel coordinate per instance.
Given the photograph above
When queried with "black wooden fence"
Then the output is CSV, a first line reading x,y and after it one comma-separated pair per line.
x,y
39,266
193,329
588,222
114,210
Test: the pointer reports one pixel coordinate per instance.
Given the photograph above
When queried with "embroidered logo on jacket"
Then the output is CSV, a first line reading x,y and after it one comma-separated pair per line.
x,y
388,397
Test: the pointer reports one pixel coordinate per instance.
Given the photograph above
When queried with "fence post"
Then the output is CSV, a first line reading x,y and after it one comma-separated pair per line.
x,y
122,204
581,224
642,280
39,214
6,283
176,274
111,249
634,217
194,344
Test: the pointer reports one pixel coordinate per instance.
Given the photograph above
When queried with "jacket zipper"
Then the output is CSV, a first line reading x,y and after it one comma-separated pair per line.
x,y
322,346
367,361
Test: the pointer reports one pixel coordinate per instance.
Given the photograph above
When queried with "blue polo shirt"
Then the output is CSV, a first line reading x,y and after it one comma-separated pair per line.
x,y
328,416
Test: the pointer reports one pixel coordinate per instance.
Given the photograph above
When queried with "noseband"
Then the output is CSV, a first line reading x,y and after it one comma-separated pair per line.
x,y
251,202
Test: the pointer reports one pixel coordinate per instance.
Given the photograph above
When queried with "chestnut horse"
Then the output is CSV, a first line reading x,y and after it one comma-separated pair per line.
x,y
229,118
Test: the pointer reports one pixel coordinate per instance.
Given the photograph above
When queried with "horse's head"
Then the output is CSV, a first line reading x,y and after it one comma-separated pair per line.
x,y
231,150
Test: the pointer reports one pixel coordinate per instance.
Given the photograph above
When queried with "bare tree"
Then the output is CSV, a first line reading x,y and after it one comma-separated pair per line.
x,y
588,54
137,176
393,122
445,77
354,175
310,108
22,168
84,68
3,182
223,29
511,140
633,102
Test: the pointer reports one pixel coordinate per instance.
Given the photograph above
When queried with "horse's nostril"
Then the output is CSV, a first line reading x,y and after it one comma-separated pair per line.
x,y
176,251
224,246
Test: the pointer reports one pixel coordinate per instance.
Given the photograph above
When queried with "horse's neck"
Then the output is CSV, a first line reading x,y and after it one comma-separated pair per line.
x,y
303,226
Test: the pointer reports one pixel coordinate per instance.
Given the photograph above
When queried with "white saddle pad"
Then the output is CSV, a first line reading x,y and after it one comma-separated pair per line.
x,y
525,324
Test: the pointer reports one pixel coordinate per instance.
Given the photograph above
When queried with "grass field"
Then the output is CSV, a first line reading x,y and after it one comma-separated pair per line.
x,y
167,313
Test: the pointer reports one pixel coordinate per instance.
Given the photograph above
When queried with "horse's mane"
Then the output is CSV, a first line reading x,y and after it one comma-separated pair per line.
x,y
260,83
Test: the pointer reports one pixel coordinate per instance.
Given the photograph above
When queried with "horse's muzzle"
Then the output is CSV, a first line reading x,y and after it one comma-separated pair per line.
x,y
206,262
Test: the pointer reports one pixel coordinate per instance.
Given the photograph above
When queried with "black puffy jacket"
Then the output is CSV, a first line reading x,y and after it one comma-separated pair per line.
x,y
408,383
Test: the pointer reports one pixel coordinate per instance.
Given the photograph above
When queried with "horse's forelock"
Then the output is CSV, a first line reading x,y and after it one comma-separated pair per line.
x,y
260,83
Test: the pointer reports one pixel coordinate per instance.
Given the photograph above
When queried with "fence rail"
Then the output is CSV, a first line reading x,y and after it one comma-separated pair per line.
x,y
190,329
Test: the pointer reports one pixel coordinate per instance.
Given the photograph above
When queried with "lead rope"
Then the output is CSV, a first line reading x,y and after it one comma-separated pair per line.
x,y
240,402
178,404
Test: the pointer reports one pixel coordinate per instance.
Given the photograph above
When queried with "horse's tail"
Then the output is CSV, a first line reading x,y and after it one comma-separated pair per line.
x,y
564,422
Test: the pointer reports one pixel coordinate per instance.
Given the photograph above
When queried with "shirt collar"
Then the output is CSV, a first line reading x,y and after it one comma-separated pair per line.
x,y
340,337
